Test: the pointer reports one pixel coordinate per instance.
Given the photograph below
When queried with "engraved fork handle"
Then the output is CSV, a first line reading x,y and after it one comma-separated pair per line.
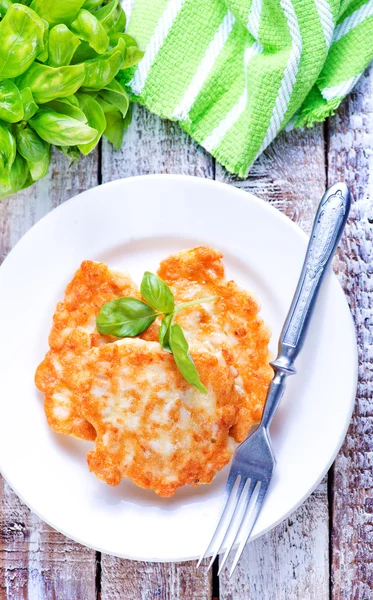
x,y
327,229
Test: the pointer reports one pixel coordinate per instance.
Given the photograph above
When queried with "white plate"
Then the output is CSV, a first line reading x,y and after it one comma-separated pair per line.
x,y
132,224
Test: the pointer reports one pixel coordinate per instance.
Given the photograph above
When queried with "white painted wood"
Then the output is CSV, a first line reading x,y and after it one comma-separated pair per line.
x,y
290,174
154,146
131,580
350,156
289,563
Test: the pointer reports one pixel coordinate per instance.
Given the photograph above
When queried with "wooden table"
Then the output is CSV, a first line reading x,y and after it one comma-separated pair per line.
x,y
325,549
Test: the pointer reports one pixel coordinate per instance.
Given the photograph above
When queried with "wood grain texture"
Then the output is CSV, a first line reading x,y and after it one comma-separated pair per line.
x,y
130,580
36,562
351,159
290,174
154,146
292,561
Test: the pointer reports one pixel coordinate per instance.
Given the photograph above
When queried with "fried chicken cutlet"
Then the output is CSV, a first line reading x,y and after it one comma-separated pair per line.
x,y
152,426
72,336
231,325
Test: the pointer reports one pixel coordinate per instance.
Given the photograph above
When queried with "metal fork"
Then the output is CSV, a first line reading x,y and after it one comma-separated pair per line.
x,y
254,462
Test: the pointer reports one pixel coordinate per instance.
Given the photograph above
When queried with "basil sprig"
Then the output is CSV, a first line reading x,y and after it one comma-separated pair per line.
x,y
125,317
157,293
129,317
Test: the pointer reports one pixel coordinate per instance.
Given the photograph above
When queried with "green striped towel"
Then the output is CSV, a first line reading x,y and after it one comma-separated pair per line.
x,y
234,73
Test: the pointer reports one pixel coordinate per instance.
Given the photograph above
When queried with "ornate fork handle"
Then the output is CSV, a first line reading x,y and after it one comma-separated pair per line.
x,y
327,229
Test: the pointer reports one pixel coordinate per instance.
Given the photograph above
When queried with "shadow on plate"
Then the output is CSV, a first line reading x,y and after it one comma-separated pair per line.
x,y
128,492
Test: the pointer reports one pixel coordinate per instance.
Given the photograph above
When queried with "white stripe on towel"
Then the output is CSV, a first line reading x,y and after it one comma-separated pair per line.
x,y
205,67
161,31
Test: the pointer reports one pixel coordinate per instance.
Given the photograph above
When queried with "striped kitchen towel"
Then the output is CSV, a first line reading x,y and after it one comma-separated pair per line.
x,y
235,72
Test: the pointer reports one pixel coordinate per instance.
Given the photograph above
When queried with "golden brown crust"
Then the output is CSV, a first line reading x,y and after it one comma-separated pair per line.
x,y
231,324
72,336
152,426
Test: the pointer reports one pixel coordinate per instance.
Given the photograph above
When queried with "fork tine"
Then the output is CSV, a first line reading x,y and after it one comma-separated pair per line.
x,y
253,516
233,479
249,493
225,531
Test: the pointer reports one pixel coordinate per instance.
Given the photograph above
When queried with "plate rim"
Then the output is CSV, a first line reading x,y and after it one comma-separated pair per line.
x,y
264,205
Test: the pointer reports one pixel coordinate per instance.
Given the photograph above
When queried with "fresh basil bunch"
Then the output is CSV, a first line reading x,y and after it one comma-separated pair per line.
x,y
58,66
129,317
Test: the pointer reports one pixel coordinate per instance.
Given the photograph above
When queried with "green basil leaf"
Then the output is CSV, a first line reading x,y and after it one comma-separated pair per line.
x,y
11,105
7,149
29,143
39,169
157,293
72,99
71,152
43,56
121,22
62,46
21,35
110,15
29,105
183,360
101,70
17,179
83,53
88,28
61,130
57,11
106,106
96,119
133,56
128,39
4,6
115,94
125,317
91,4
128,118
164,333
48,83
115,126
65,107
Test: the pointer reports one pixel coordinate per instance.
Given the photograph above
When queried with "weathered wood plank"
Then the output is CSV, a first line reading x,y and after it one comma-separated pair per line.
x,y
154,146
292,561
130,580
290,174
36,562
350,159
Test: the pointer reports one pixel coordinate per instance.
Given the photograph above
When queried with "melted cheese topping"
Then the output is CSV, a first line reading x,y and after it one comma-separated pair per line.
x,y
229,327
152,426
72,337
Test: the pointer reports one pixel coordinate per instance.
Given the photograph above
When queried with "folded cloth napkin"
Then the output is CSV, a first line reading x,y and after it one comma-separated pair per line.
x,y
235,72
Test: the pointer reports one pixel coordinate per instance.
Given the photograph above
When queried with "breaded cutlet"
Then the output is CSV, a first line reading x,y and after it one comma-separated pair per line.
x,y
152,426
230,325
72,336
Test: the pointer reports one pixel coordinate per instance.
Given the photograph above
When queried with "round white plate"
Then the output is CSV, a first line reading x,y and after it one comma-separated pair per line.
x,y
131,225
